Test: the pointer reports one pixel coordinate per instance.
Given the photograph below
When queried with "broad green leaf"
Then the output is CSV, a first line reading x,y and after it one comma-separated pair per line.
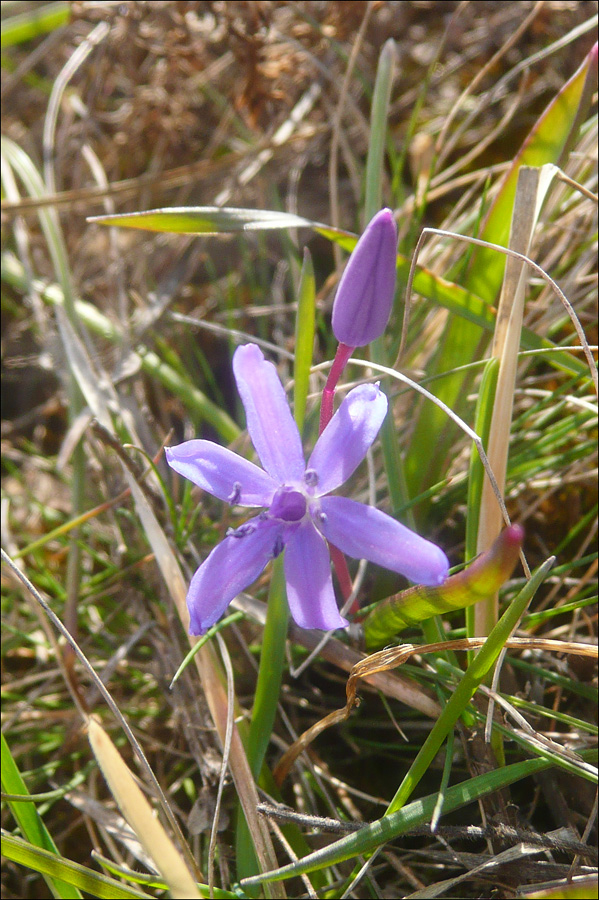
x,y
74,875
479,581
31,824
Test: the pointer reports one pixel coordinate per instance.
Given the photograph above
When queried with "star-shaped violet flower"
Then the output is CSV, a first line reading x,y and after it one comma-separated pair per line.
x,y
299,516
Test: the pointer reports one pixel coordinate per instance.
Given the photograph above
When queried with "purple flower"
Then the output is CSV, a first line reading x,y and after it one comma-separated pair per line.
x,y
299,517
365,294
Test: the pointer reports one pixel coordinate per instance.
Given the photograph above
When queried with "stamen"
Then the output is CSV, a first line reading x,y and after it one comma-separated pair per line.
x,y
311,477
235,494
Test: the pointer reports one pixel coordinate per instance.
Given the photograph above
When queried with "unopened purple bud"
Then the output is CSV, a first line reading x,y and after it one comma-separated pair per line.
x,y
365,294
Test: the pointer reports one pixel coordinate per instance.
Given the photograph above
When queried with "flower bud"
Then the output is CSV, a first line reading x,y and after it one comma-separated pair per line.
x,y
365,294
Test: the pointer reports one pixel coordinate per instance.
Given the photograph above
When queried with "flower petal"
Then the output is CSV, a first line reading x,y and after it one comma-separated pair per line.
x,y
309,584
345,441
270,424
229,569
364,532
222,473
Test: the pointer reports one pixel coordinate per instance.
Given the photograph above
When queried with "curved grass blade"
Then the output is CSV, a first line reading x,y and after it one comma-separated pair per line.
x,y
479,581
209,220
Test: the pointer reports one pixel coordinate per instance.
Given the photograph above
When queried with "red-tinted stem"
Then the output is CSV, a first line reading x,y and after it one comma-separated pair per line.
x,y
339,363
326,414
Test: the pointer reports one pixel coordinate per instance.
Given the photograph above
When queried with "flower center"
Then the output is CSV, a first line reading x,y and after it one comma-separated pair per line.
x,y
288,504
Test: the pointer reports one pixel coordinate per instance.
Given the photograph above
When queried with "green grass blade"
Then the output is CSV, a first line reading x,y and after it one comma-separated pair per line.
x,y
304,338
379,115
473,676
270,673
33,23
57,870
476,475
439,291
391,826
272,663
31,824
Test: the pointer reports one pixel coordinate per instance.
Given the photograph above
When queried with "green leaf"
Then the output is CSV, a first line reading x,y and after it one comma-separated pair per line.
x,y
205,220
549,141
480,580
439,291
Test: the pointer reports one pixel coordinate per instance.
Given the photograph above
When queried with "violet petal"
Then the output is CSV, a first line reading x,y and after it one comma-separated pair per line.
x,y
222,473
364,532
347,438
309,584
270,424
233,565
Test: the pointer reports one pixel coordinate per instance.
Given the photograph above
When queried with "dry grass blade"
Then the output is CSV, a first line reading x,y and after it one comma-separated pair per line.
x,y
506,344
138,813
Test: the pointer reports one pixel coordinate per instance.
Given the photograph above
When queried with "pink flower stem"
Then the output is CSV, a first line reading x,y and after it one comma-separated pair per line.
x,y
339,363
326,414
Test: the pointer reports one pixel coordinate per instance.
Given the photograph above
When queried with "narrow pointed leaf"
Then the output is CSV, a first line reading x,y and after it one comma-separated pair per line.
x,y
204,220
